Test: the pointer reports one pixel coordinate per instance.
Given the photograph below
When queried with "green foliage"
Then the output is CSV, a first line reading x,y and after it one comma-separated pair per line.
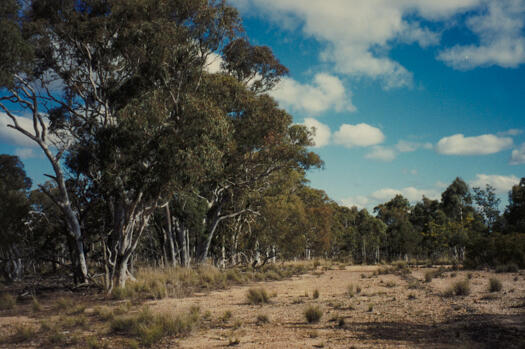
x,y
257,296
313,314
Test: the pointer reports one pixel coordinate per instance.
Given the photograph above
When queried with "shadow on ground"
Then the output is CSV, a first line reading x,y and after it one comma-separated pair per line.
x,y
471,331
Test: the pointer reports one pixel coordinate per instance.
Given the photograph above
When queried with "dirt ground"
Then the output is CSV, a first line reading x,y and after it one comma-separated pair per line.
x,y
390,311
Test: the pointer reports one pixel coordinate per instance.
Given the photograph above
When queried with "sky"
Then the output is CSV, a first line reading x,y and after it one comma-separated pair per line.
x,y
404,95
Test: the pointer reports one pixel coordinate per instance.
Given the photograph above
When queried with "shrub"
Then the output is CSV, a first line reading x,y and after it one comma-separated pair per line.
x,y
315,294
459,288
150,328
226,316
429,275
257,296
7,301
353,289
262,319
22,333
64,304
313,314
507,268
35,305
495,285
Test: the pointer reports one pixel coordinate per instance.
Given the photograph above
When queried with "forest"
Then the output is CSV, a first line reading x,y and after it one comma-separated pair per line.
x,y
158,161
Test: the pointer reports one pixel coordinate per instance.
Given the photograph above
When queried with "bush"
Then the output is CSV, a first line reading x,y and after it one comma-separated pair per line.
x,y
22,333
459,288
7,301
507,268
353,289
313,314
429,275
150,328
495,285
257,296
315,294
35,305
262,319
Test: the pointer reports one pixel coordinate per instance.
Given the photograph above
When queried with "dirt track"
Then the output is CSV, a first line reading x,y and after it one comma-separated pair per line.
x,y
388,312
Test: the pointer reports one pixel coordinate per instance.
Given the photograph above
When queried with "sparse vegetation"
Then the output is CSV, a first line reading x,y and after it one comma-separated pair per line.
x,y
352,289
35,305
315,295
22,333
495,285
313,314
257,296
459,288
507,268
150,328
262,319
7,301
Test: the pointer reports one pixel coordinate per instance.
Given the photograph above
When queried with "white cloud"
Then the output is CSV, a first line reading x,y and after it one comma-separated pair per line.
x,y
518,156
511,132
213,63
411,193
358,34
481,145
325,93
502,184
11,136
406,146
359,201
501,40
322,133
381,153
27,153
360,135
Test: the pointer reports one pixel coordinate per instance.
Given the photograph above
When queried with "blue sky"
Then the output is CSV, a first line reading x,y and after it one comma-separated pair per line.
x,y
405,95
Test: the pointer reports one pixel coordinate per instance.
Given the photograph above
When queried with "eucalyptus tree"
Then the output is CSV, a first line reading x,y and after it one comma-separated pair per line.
x,y
14,212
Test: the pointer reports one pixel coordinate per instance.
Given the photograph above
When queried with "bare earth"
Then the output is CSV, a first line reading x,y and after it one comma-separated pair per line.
x,y
391,311
385,314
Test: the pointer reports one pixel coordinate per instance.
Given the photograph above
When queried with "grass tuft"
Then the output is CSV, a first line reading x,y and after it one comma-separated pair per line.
x,y
262,319
313,314
315,295
7,301
150,328
495,285
257,296
459,288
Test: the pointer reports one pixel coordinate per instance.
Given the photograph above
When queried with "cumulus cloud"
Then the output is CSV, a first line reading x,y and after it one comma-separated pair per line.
x,y
11,136
481,145
357,35
27,153
360,135
213,63
322,133
501,184
411,193
381,153
518,156
406,146
499,27
359,201
326,92
511,132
